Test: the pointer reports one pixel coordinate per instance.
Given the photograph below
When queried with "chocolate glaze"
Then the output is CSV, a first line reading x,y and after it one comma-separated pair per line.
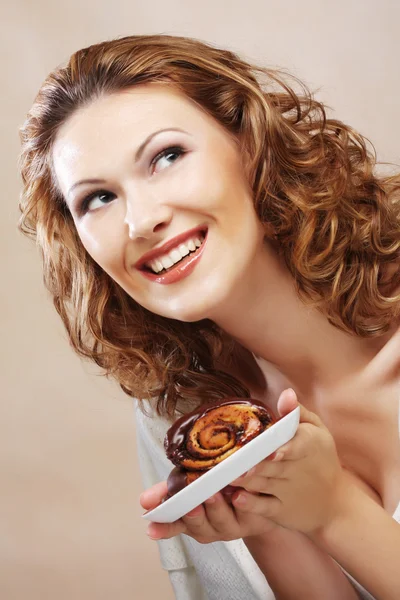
x,y
176,434
176,481
180,478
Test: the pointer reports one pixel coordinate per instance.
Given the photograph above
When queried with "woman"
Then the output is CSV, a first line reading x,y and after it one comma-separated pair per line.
x,y
207,232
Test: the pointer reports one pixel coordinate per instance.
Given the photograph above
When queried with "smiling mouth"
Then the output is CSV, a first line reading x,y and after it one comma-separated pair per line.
x,y
178,257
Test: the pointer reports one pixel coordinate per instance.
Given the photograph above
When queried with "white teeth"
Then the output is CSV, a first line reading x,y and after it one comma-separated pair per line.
x,y
173,257
166,262
158,265
183,250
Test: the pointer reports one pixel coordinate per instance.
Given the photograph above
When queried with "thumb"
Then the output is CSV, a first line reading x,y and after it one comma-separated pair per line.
x,y
288,401
152,497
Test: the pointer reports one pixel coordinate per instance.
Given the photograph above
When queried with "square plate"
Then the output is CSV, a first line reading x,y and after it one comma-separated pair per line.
x,y
226,471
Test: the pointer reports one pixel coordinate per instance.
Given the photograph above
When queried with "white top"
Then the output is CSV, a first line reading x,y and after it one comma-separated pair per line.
x,y
216,571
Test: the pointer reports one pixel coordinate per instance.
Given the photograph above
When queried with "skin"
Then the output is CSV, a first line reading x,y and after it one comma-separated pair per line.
x,y
150,204
278,475
347,443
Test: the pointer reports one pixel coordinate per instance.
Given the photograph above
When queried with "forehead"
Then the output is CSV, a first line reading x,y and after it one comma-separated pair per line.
x,y
121,121
141,110
137,105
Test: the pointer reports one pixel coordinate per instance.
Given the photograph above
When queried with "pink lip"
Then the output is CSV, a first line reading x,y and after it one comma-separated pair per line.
x,y
180,270
165,248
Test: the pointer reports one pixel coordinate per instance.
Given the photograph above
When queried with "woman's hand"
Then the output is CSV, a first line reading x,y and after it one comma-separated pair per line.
x,y
272,547
213,521
302,487
299,487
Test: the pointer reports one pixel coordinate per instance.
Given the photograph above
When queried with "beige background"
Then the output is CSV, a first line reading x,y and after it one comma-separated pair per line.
x,y
70,525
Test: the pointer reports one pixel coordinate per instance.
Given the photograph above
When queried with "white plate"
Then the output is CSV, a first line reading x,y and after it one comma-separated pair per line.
x,y
226,471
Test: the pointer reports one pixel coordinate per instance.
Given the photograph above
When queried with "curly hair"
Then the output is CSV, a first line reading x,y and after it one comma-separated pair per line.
x,y
335,223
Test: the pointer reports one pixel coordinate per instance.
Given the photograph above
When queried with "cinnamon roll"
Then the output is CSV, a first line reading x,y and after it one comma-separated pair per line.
x,y
198,441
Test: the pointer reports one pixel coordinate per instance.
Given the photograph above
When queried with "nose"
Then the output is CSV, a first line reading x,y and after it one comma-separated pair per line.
x,y
146,217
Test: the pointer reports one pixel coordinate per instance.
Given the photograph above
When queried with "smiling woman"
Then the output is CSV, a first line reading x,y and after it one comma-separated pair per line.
x,y
147,207
208,232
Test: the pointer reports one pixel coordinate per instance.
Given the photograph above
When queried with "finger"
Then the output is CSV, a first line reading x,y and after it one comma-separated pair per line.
x,y
264,485
192,522
197,524
269,467
221,516
158,531
152,497
263,505
288,401
306,442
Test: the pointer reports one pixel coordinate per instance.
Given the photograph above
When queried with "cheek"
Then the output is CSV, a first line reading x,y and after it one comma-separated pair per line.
x,y
103,245
208,181
190,187
228,183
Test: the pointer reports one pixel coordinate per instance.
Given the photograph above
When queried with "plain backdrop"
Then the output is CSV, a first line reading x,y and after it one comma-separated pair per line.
x,y
70,519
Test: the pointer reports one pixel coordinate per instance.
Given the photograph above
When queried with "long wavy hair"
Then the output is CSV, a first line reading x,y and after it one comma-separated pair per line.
x,y
335,223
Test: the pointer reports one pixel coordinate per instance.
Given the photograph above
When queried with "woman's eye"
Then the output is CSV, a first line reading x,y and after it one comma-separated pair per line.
x,y
166,157
95,200
100,198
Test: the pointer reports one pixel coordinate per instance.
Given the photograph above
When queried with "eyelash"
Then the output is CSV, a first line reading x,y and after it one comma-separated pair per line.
x,y
84,204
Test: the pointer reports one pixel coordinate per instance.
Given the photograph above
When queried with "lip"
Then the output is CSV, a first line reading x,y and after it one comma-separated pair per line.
x,y
165,248
180,270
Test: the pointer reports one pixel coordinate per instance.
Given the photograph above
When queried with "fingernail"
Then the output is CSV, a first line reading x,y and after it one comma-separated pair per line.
x,y
278,456
241,499
210,500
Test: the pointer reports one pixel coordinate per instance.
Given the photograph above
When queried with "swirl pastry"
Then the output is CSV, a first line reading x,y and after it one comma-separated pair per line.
x,y
208,435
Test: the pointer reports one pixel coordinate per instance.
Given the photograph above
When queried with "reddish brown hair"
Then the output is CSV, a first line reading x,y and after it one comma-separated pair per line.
x,y
334,221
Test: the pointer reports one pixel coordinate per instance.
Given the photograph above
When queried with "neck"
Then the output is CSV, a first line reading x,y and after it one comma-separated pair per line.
x,y
276,325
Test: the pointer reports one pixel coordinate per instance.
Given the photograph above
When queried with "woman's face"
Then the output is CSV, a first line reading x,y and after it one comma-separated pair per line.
x,y
165,178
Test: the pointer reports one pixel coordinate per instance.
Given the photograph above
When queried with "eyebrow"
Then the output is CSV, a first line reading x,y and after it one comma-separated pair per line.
x,y
138,155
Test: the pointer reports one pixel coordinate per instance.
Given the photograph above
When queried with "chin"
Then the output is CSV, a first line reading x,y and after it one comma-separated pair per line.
x,y
190,315
209,308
